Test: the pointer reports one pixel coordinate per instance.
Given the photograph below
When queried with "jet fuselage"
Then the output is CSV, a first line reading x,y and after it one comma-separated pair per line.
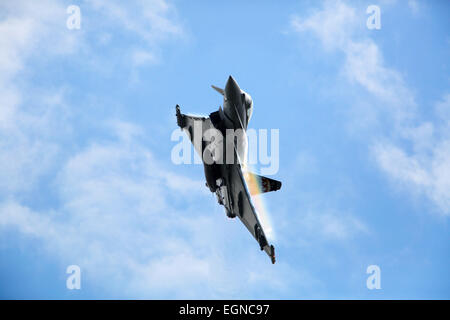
x,y
236,104
233,121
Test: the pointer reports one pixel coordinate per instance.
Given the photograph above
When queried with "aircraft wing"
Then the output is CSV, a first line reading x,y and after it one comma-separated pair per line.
x,y
195,126
240,200
243,207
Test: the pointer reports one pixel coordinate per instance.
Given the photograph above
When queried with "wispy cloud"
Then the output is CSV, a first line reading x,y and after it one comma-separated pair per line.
x,y
151,20
24,135
423,168
33,32
147,24
125,215
115,208
118,215
414,6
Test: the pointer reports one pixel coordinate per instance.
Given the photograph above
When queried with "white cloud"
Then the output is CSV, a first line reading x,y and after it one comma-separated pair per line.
x,y
124,217
141,57
425,168
32,31
114,209
24,139
333,26
332,225
339,28
414,6
442,109
151,20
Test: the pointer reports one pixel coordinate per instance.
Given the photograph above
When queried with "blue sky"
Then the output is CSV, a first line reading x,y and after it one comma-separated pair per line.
x,y
86,176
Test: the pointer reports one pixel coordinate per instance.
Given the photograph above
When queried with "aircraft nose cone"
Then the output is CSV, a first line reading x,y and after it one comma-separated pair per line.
x,y
232,90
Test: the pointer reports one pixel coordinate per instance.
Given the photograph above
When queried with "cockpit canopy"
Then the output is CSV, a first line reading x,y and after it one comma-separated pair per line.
x,y
248,102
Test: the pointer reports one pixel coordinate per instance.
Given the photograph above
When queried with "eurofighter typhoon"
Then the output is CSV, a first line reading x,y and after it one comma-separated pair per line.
x,y
221,142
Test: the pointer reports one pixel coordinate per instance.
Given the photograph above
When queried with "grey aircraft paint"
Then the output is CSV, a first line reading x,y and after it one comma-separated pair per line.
x,y
225,178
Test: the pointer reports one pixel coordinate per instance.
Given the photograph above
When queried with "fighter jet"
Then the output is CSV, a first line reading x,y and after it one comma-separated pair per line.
x,y
221,142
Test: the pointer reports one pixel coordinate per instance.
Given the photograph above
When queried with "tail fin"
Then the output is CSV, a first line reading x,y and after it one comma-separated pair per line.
x,y
219,90
258,184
